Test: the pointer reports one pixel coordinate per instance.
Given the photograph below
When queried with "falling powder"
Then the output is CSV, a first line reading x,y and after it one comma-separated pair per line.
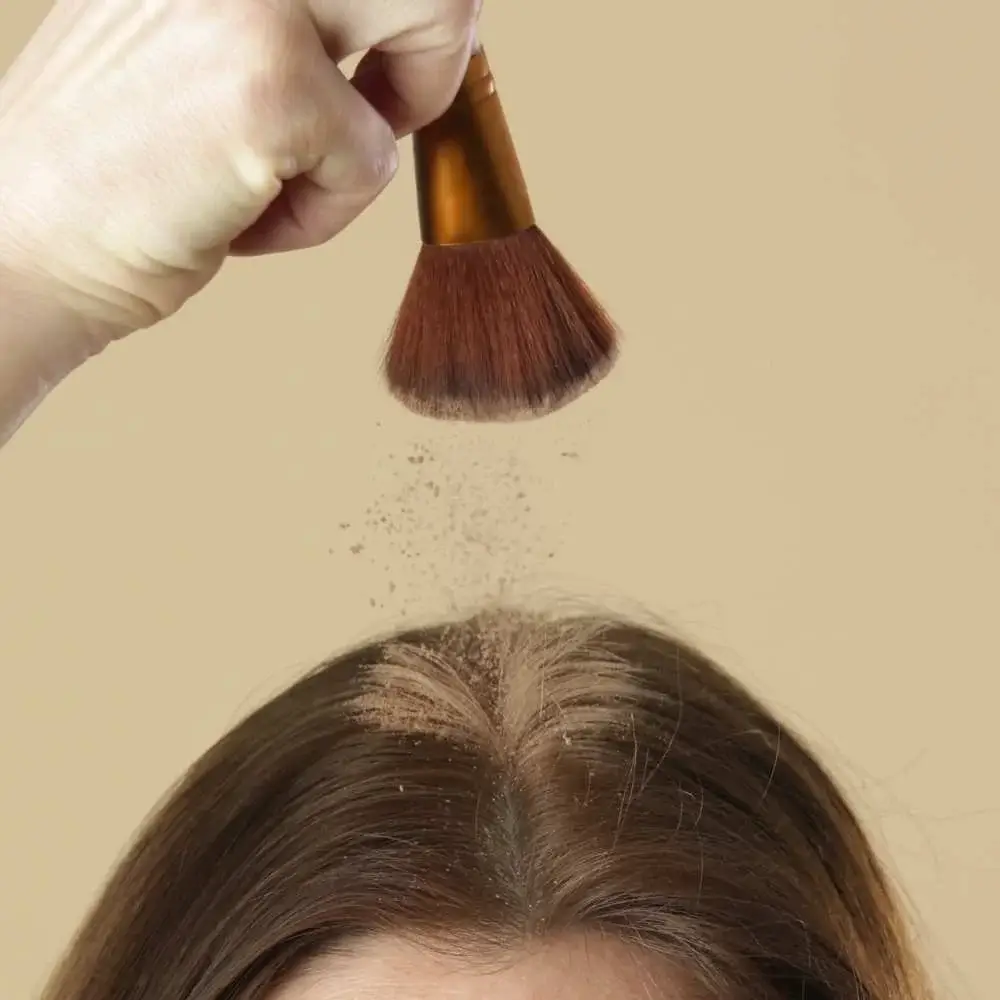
x,y
454,521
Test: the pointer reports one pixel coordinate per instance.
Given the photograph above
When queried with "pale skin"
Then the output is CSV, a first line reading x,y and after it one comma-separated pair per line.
x,y
581,967
142,142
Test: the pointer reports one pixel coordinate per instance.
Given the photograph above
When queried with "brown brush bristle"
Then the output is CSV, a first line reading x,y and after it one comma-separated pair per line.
x,y
503,329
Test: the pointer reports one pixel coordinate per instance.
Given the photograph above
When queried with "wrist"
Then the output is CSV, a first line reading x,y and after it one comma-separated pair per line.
x,y
43,302
34,318
42,341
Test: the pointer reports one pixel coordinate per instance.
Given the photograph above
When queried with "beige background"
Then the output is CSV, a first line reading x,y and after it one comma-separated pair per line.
x,y
792,208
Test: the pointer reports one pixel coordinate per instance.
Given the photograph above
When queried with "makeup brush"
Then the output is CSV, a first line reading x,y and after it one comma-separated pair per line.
x,y
494,324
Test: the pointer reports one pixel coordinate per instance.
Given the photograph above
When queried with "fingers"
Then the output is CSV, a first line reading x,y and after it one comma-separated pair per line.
x,y
410,87
340,145
417,52
341,153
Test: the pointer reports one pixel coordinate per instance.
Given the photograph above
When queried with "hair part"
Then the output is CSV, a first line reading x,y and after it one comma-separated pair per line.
x,y
506,778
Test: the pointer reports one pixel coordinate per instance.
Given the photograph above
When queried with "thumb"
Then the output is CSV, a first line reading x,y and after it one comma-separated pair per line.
x,y
345,159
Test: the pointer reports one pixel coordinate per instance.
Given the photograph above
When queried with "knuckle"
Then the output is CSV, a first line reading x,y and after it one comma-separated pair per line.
x,y
448,22
376,169
464,12
352,188
462,19
359,167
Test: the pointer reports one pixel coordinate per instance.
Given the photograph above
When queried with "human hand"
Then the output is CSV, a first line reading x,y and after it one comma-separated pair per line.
x,y
143,141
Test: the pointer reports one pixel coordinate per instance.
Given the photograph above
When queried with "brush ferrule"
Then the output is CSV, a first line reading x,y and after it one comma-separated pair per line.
x,y
470,186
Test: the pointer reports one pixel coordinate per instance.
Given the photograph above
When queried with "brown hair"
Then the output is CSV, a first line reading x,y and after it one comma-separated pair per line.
x,y
506,776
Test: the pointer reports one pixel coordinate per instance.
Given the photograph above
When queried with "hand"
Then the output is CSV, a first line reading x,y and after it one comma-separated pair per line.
x,y
143,141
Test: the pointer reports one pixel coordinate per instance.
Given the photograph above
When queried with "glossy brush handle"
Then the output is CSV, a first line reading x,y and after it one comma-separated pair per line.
x,y
470,186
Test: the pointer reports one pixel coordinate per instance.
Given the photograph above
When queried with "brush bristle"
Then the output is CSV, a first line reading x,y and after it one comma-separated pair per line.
x,y
499,330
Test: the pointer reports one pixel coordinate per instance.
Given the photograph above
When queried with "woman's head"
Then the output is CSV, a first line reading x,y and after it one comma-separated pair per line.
x,y
507,807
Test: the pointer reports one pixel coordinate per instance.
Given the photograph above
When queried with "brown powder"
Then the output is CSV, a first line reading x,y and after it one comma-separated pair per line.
x,y
454,522
494,679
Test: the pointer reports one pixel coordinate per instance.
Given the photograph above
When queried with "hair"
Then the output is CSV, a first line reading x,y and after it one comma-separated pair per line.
x,y
507,777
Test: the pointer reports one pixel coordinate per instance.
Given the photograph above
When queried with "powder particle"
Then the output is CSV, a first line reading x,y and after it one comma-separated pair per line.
x,y
454,522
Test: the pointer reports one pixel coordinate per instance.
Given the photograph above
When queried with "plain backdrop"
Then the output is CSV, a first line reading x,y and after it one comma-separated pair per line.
x,y
792,209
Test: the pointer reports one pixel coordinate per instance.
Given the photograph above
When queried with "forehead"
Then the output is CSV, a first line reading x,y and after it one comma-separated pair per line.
x,y
581,968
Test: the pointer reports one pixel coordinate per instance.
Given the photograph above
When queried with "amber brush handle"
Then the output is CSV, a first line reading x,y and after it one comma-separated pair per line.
x,y
469,182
